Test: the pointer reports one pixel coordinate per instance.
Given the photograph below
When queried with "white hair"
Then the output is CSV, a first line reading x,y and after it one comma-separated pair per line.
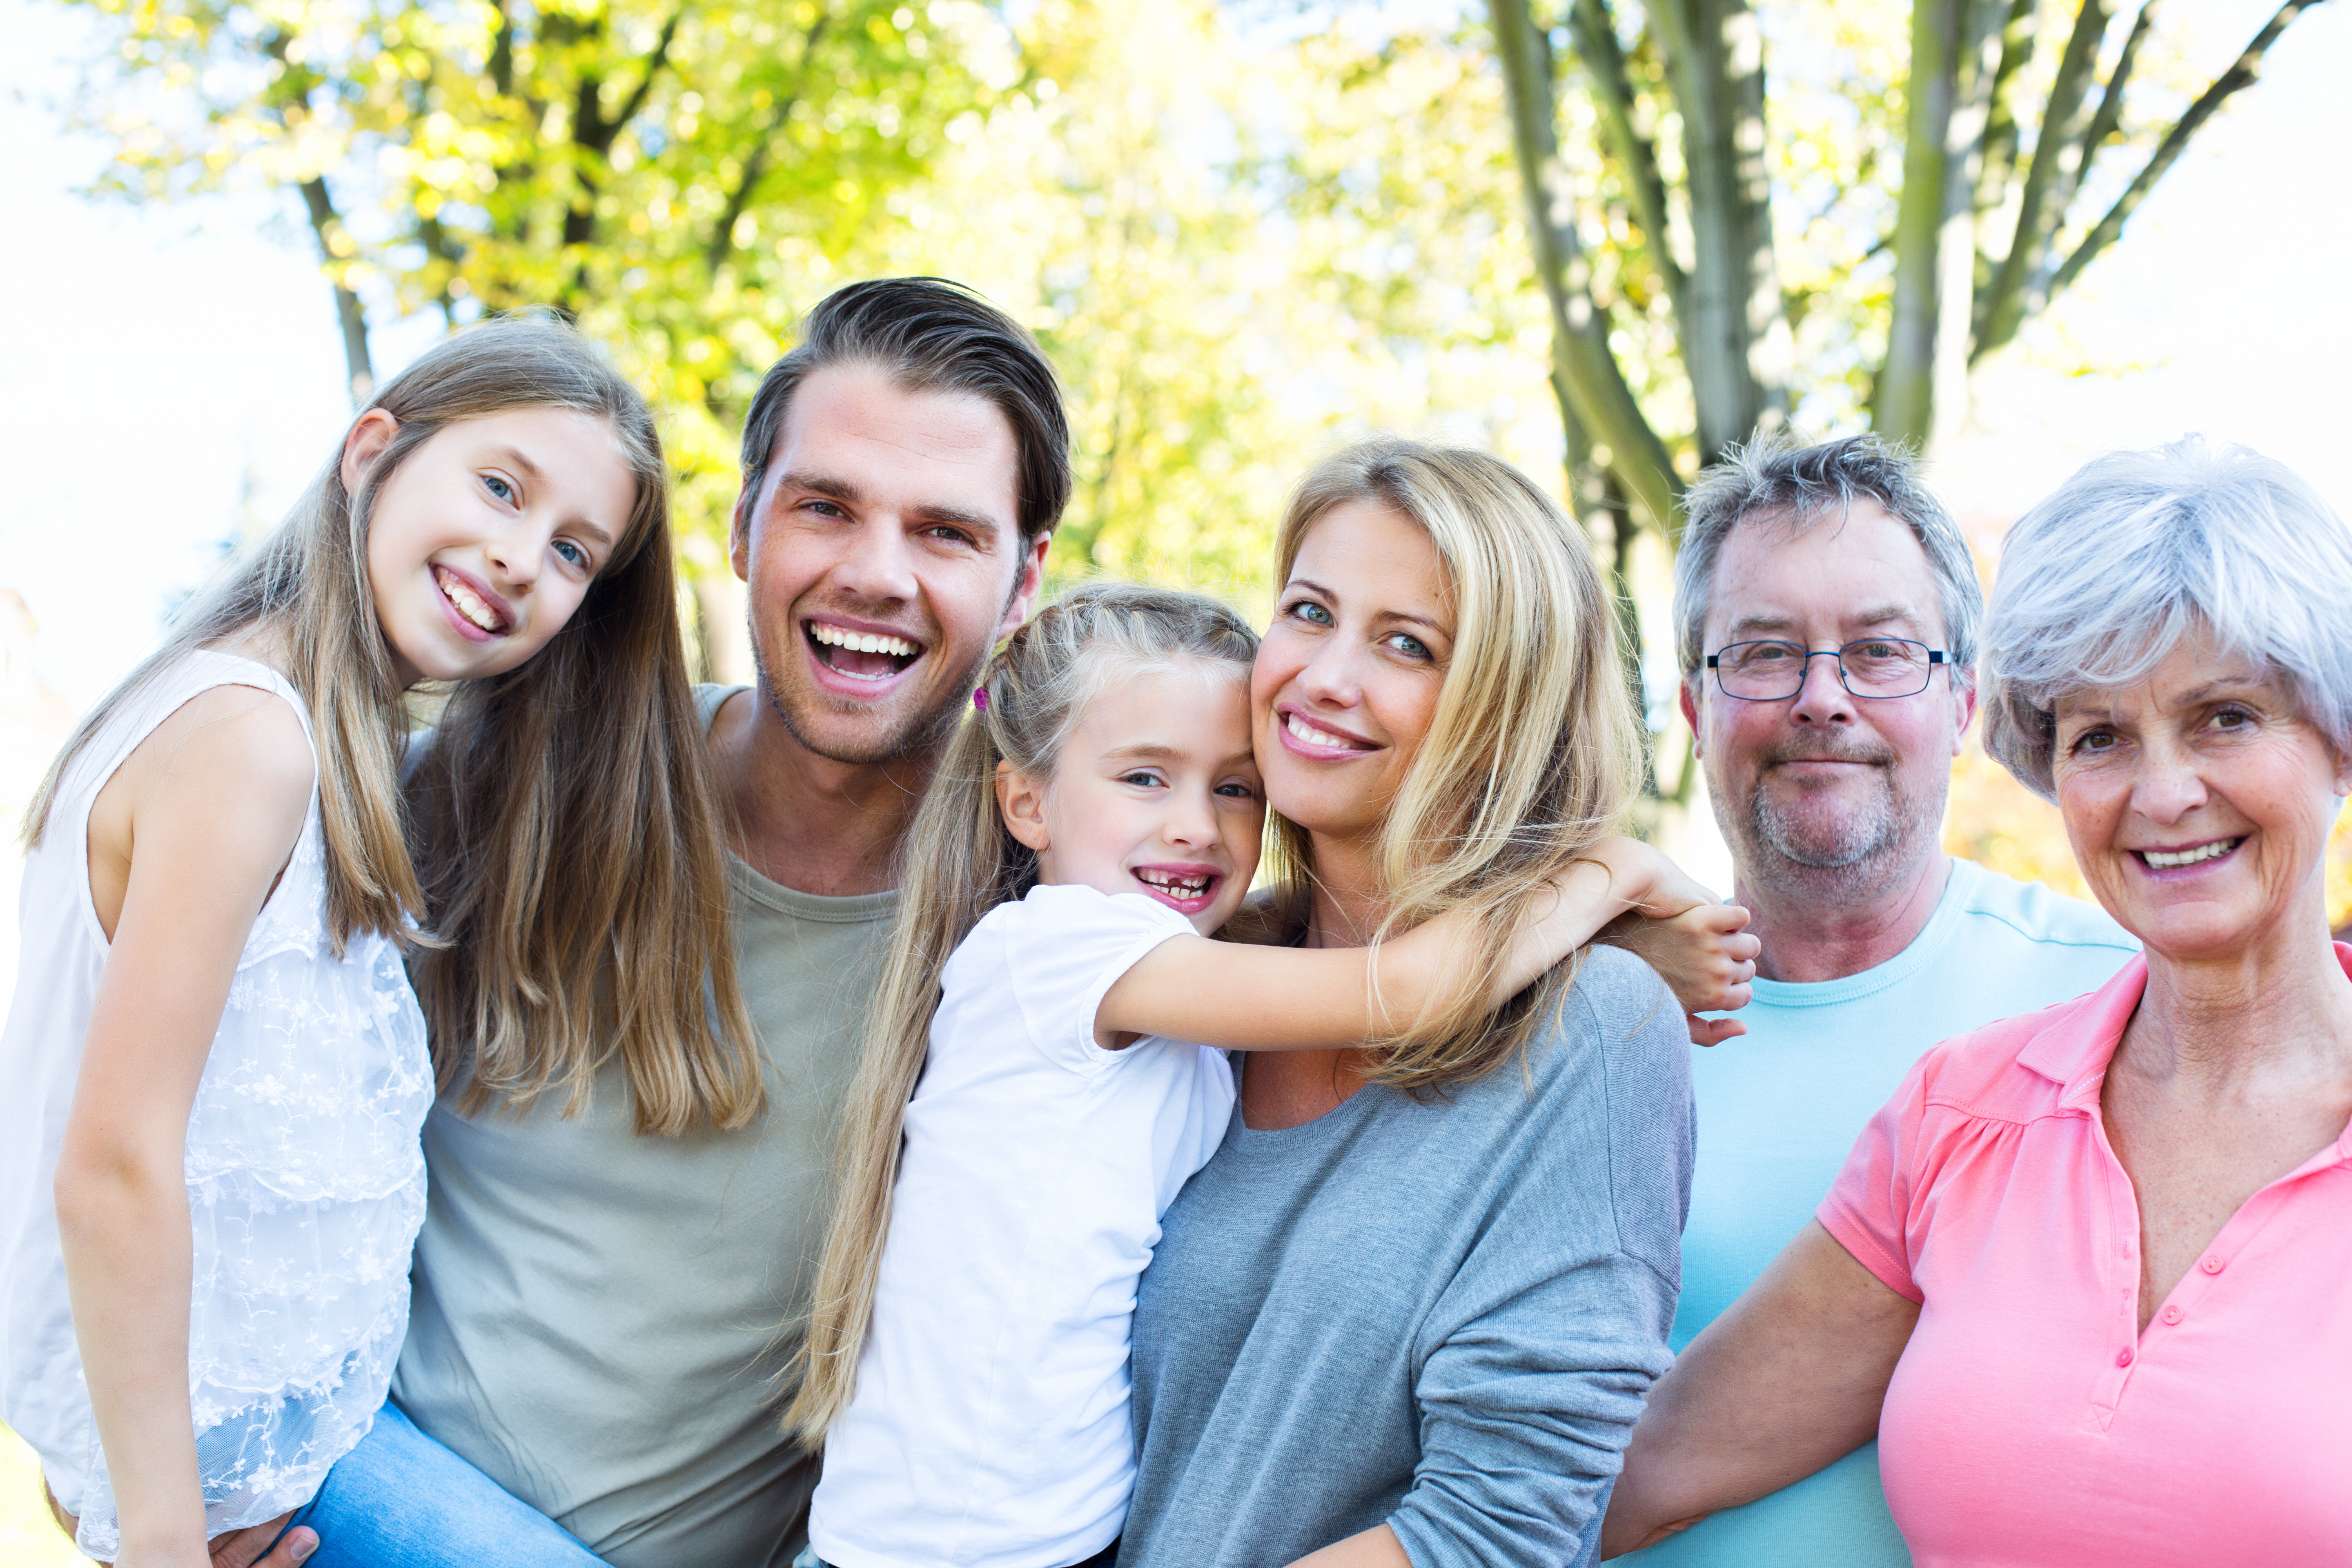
x,y
2141,551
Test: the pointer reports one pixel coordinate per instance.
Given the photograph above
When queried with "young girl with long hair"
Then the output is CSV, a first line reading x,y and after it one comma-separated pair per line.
x,y
1051,1004
217,1067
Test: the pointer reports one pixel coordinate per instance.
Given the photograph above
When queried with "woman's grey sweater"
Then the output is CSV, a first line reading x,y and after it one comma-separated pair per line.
x,y
1444,1315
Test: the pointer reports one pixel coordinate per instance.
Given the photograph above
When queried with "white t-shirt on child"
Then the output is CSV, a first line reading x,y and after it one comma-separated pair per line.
x,y
990,1427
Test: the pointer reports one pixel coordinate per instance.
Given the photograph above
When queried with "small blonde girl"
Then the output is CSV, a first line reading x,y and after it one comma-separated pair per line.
x,y
217,1069
1045,1070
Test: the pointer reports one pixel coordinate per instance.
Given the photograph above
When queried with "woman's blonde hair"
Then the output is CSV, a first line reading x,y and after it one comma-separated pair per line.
x,y
565,815
1535,750
962,862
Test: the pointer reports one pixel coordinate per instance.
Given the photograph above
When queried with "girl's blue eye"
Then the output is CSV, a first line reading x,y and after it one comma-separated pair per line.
x,y
571,553
498,487
1237,791
1139,777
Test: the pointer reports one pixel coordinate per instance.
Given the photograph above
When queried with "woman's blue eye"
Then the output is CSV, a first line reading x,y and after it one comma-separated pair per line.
x,y
498,487
1308,610
1410,645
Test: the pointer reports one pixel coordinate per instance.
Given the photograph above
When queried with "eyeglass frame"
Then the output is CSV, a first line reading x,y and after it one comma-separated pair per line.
x,y
1937,659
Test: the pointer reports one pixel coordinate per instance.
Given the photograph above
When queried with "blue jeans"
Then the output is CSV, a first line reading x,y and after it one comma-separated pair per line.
x,y
402,1500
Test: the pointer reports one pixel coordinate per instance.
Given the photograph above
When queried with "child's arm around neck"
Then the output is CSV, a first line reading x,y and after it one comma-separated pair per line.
x,y
185,842
1238,996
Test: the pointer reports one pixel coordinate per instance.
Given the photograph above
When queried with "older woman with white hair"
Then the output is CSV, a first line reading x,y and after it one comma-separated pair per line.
x,y
2088,1275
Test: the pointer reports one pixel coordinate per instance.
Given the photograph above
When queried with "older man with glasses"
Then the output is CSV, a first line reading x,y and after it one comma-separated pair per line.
x,y
1826,610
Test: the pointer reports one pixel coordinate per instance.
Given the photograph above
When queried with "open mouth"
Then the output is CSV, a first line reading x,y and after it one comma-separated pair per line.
x,y
471,607
860,656
2173,859
1188,889
1305,736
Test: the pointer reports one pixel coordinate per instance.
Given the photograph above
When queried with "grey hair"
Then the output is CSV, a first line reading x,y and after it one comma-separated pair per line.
x,y
2141,551
1773,477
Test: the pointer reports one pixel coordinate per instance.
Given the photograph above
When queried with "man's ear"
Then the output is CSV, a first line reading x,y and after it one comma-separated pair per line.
x,y
1022,801
1967,698
739,536
1686,699
371,433
1027,585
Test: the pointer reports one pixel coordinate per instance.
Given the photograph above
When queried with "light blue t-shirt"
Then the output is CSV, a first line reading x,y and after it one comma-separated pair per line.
x,y
1779,1109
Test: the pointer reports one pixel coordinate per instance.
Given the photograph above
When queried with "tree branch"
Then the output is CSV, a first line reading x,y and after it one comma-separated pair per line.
x,y
327,226
654,63
2110,117
1584,368
2239,75
1593,30
2001,140
755,162
2054,171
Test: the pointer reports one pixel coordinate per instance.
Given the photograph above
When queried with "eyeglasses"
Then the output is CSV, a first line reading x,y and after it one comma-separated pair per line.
x,y
1873,666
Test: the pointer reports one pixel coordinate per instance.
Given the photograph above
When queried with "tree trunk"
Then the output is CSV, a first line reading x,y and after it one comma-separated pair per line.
x,y
1735,339
1585,372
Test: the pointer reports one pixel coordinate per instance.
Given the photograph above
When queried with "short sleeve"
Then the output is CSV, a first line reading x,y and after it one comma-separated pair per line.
x,y
1064,947
1869,1205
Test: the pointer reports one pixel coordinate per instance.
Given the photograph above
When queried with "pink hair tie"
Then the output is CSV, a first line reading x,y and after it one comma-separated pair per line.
x,y
980,699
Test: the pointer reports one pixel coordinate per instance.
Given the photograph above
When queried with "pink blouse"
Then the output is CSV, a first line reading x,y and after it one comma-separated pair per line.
x,y
2029,1422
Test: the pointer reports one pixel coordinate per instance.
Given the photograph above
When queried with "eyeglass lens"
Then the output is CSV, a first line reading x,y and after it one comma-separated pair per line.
x,y
1875,667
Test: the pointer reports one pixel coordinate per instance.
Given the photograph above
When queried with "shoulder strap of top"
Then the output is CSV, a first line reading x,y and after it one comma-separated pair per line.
x,y
709,697
165,693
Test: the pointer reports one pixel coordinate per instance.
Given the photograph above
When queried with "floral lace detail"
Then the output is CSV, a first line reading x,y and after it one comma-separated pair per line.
x,y
306,1189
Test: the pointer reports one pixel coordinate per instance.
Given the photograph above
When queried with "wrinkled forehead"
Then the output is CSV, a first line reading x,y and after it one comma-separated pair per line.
x,y
1839,572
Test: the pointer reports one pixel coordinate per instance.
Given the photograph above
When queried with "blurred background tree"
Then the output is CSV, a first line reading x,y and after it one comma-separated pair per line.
x,y
1603,238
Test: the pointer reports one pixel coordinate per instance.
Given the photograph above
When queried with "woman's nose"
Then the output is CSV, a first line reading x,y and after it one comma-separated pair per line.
x,y
2168,785
1332,676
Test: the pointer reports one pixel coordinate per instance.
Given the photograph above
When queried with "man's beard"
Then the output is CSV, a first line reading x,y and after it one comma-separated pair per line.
x,y
1858,848
920,731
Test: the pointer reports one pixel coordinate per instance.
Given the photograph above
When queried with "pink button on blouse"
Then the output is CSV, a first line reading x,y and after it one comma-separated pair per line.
x,y
2029,1424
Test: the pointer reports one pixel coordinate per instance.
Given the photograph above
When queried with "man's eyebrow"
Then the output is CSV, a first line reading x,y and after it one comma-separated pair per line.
x,y
831,485
931,513
848,493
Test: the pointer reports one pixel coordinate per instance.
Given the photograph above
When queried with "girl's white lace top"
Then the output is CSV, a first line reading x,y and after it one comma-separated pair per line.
x,y
306,1184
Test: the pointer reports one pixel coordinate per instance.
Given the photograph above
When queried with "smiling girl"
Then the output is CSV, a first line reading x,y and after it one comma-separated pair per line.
x,y
218,1069
1056,1011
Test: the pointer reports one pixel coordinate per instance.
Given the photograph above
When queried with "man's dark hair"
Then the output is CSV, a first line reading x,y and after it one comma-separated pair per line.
x,y
927,335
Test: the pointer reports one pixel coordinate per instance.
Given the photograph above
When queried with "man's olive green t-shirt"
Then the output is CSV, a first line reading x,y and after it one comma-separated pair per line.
x,y
600,1319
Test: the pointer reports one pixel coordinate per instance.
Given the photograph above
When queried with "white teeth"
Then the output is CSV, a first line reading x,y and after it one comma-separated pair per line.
x,y
2164,862
469,604
1183,887
862,642
1311,734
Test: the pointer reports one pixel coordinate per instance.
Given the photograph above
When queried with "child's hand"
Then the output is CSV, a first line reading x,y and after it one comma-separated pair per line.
x,y
1705,956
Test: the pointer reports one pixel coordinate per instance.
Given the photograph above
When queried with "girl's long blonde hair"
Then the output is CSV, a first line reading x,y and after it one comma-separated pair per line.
x,y
1535,750
960,861
564,814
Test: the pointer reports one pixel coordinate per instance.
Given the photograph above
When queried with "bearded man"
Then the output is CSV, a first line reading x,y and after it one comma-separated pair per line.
x,y
1826,610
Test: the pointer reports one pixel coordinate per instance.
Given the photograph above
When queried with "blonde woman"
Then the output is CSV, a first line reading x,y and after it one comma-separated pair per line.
x,y
1409,1311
